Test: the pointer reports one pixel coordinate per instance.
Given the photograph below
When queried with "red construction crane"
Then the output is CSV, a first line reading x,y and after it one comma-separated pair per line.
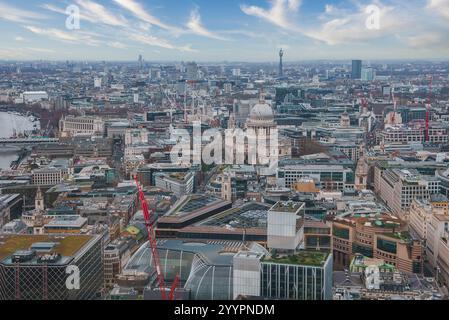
x,y
395,104
428,108
153,246
364,105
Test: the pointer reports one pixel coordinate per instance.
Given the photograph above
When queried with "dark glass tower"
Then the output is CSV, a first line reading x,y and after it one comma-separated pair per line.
x,y
356,69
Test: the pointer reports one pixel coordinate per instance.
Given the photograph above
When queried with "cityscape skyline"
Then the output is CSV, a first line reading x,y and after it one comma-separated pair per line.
x,y
256,151
117,30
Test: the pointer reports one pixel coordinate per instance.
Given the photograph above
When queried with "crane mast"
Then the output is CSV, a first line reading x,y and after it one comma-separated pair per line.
x,y
393,117
152,240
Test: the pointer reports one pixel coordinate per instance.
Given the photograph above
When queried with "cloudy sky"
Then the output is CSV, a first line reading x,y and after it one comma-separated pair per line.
x,y
218,30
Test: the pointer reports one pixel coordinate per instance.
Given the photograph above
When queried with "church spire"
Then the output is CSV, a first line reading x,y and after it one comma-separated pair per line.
x,y
39,200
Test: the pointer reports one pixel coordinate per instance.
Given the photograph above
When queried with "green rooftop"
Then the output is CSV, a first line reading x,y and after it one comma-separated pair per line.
x,y
288,206
404,235
67,245
304,258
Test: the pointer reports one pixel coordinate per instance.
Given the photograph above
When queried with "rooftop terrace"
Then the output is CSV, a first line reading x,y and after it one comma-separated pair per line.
x,y
304,258
288,206
66,245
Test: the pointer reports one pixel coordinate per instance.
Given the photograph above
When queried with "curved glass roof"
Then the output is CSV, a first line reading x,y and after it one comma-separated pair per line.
x,y
205,268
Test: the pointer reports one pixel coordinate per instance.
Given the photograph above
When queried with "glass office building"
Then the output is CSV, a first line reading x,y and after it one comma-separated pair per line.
x,y
304,276
37,267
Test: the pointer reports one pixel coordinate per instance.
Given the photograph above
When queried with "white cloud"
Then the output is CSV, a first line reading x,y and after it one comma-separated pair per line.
x,y
93,12
40,50
15,14
96,11
195,26
277,14
440,7
117,45
144,26
408,22
19,38
83,16
340,26
157,42
72,37
294,4
138,11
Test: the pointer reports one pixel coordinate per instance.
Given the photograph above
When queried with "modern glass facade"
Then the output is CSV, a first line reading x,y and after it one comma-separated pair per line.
x,y
297,282
37,281
386,245
341,233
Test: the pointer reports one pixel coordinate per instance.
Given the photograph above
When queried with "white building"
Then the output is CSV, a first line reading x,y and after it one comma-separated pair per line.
x,y
236,72
246,274
285,224
48,176
398,188
437,246
34,96
81,126
97,83
180,183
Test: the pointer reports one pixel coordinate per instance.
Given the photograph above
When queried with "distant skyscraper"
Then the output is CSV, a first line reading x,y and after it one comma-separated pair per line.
x,y
236,72
140,61
192,71
368,74
356,69
281,67
97,82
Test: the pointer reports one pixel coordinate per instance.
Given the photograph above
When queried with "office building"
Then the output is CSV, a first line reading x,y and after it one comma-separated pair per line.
x,y
192,71
305,275
34,96
81,126
10,207
399,187
368,74
180,183
38,267
285,226
331,177
380,237
356,69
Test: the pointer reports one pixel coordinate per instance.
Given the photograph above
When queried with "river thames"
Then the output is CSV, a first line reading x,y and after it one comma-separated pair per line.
x,y
8,123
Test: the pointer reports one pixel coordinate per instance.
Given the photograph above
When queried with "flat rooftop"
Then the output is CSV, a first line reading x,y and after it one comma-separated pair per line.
x,y
191,203
288,206
303,258
66,246
250,215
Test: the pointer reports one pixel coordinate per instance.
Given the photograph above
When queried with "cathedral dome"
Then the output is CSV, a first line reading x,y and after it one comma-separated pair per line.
x,y
261,111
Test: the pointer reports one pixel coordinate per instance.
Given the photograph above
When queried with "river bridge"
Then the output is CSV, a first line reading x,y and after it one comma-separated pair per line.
x,y
27,141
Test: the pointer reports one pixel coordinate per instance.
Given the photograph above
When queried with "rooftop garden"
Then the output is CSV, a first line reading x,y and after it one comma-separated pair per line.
x,y
288,206
306,258
67,246
403,236
178,175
